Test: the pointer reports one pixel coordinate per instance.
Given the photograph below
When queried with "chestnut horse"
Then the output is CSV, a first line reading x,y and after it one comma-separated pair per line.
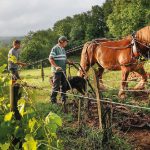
x,y
118,55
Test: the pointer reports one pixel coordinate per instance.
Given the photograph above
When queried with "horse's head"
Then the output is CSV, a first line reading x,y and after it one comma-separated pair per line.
x,y
142,38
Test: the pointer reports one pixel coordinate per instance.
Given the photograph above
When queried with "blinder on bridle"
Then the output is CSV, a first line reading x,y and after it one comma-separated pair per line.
x,y
136,51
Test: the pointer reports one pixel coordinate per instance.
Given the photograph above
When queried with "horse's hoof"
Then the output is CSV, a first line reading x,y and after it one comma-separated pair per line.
x,y
139,88
122,95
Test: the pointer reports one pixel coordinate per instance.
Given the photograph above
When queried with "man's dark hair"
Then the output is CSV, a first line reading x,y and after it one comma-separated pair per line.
x,y
62,39
16,42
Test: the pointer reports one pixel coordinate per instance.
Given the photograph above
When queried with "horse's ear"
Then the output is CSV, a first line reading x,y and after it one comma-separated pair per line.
x,y
133,34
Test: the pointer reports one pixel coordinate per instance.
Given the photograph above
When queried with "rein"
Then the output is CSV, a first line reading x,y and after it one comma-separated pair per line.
x,y
95,41
147,46
118,48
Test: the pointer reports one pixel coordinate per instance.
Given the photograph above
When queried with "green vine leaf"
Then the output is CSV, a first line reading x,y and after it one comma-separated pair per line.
x,y
5,146
12,58
2,68
30,143
21,104
32,123
8,116
53,117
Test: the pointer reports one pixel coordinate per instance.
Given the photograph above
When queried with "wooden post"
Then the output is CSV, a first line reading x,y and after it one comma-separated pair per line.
x,y
79,112
96,83
14,92
107,127
11,96
149,99
42,71
14,96
85,108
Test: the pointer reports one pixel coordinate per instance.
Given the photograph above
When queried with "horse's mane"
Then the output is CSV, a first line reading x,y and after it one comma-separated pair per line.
x,y
143,35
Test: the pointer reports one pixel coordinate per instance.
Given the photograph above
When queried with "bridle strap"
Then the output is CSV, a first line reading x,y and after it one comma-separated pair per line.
x,y
135,51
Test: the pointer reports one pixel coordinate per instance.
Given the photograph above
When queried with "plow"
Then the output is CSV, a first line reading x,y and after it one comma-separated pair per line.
x,y
122,116
135,76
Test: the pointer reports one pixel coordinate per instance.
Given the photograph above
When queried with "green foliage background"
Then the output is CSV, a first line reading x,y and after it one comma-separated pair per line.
x,y
114,19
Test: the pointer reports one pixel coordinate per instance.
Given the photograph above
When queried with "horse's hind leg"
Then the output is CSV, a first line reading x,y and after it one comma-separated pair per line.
x,y
99,74
125,73
143,81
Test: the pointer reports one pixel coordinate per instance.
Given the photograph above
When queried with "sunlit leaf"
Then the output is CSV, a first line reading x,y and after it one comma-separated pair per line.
x,y
32,123
59,142
2,99
54,135
30,143
21,104
2,68
8,116
12,58
5,146
53,117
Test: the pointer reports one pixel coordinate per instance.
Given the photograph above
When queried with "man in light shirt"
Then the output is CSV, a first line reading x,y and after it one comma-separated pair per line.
x,y
58,62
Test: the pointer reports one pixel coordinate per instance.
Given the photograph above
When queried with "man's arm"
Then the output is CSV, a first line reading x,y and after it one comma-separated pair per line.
x,y
12,58
52,62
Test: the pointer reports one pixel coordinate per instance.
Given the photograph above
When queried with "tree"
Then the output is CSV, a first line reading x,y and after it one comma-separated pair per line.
x,y
3,55
77,33
63,27
96,26
37,45
127,16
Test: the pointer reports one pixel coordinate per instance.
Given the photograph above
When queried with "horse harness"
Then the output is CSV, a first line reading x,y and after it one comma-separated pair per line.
x,y
135,51
136,54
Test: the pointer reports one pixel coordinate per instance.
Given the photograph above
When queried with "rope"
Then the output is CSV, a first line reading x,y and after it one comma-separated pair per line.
x,y
142,44
102,100
148,91
118,48
77,47
67,81
67,52
41,60
128,81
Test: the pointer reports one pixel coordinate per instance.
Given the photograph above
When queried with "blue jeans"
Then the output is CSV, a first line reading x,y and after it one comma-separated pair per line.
x,y
59,84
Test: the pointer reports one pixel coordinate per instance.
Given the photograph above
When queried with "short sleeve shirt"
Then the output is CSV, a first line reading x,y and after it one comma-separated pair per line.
x,y
59,55
13,53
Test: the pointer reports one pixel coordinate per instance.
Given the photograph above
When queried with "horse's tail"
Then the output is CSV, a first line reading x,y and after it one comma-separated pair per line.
x,y
88,52
85,47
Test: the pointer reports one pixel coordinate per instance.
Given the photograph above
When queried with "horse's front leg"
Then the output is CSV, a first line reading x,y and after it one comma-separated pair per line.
x,y
143,81
125,73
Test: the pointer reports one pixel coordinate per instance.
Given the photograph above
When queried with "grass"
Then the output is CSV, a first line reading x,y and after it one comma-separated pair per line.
x,y
74,139
111,81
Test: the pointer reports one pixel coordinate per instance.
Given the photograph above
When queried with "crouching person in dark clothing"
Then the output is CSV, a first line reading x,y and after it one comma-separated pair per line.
x,y
58,62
